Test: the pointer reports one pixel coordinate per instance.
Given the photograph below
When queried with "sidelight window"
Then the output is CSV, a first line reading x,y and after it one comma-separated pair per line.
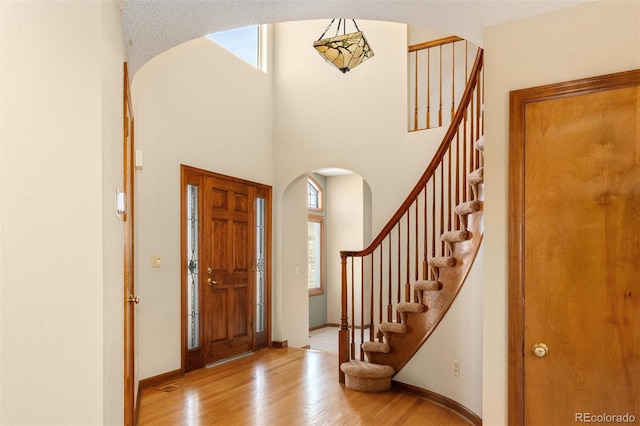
x,y
193,310
315,233
261,247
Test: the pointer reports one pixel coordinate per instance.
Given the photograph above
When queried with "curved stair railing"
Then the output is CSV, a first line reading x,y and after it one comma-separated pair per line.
x,y
397,290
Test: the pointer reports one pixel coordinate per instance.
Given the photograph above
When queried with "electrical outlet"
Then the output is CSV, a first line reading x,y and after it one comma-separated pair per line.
x,y
156,261
456,368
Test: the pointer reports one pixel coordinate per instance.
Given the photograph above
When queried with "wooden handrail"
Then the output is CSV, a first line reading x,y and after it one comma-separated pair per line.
x,y
413,238
431,168
434,43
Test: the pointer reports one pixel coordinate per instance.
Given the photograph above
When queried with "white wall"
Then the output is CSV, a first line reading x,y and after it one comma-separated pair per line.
x,y
458,337
199,105
588,40
355,121
59,234
345,231
112,175
290,286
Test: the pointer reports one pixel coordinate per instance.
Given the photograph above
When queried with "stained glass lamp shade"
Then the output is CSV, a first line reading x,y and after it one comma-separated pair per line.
x,y
345,51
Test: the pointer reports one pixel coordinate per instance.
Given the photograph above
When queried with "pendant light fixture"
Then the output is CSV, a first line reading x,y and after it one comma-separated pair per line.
x,y
344,51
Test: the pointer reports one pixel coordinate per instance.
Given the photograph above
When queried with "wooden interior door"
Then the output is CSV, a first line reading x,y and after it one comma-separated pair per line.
x,y
228,263
575,250
129,297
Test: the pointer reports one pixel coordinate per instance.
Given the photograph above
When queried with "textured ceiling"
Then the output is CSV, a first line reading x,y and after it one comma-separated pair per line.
x,y
154,26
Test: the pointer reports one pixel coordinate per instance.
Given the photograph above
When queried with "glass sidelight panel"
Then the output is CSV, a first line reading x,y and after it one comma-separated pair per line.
x,y
193,232
260,264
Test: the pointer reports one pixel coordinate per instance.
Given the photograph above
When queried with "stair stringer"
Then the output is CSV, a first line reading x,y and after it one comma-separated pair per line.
x,y
420,325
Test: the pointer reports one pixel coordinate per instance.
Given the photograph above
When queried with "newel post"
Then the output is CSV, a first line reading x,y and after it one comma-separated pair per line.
x,y
343,333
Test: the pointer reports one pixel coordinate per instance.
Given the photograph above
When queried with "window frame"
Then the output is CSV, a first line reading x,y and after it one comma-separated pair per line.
x,y
316,215
312,182
320,220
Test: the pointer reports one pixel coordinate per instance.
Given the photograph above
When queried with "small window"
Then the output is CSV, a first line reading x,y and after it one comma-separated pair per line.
x,y
315,233
316,257
315,195
244,42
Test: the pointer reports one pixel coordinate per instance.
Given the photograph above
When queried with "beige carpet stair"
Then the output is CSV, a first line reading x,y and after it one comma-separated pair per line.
x,y
375,377
367,377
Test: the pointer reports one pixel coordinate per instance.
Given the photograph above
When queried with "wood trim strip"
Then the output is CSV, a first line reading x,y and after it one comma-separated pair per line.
x,y
439,399
518,101
159,379
136,414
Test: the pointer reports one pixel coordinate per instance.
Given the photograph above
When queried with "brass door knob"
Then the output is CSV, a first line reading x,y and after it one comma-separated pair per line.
x,y
210,281
540,350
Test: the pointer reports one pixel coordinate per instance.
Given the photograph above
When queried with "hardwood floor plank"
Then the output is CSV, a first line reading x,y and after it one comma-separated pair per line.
x,y
286,386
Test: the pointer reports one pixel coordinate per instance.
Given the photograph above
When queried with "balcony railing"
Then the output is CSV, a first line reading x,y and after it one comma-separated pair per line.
x,y
438,73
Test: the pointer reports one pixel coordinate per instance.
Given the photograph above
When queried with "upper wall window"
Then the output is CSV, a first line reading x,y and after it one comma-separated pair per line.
x,y
315,195
246,43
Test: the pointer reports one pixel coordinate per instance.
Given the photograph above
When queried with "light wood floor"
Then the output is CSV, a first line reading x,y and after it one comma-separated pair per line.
x,y
288,386
324,339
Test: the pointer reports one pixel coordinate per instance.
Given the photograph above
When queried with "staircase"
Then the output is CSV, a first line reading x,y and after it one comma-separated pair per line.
x,y
397,290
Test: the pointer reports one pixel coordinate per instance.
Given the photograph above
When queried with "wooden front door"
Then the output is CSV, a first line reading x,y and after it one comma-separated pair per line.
x,y
226,267
228,259
574,252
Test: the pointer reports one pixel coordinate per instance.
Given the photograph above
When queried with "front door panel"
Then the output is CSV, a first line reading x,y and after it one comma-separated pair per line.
x,y
229,282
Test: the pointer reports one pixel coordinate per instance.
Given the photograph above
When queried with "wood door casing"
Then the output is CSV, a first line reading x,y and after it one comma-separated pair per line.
x,y
229,274
574,245
128,248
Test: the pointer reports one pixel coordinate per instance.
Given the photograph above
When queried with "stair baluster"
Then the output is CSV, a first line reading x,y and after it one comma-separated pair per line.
x,y
439,208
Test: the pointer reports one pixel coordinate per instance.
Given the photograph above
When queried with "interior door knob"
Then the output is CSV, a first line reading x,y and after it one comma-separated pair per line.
x,y
540,350
210,281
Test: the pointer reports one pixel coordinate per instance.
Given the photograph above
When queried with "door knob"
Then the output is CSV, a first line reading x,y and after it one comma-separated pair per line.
x,y
210,281
133,299
540,350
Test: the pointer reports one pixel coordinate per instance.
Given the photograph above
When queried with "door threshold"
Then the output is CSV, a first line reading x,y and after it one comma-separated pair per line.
x,y
223,361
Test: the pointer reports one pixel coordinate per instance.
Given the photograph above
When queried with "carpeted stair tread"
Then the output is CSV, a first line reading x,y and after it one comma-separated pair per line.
x,y
367,370
479,144
476,176
442,262
455,236
376,347
468,207
367,377
427,285
392,327
410,307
